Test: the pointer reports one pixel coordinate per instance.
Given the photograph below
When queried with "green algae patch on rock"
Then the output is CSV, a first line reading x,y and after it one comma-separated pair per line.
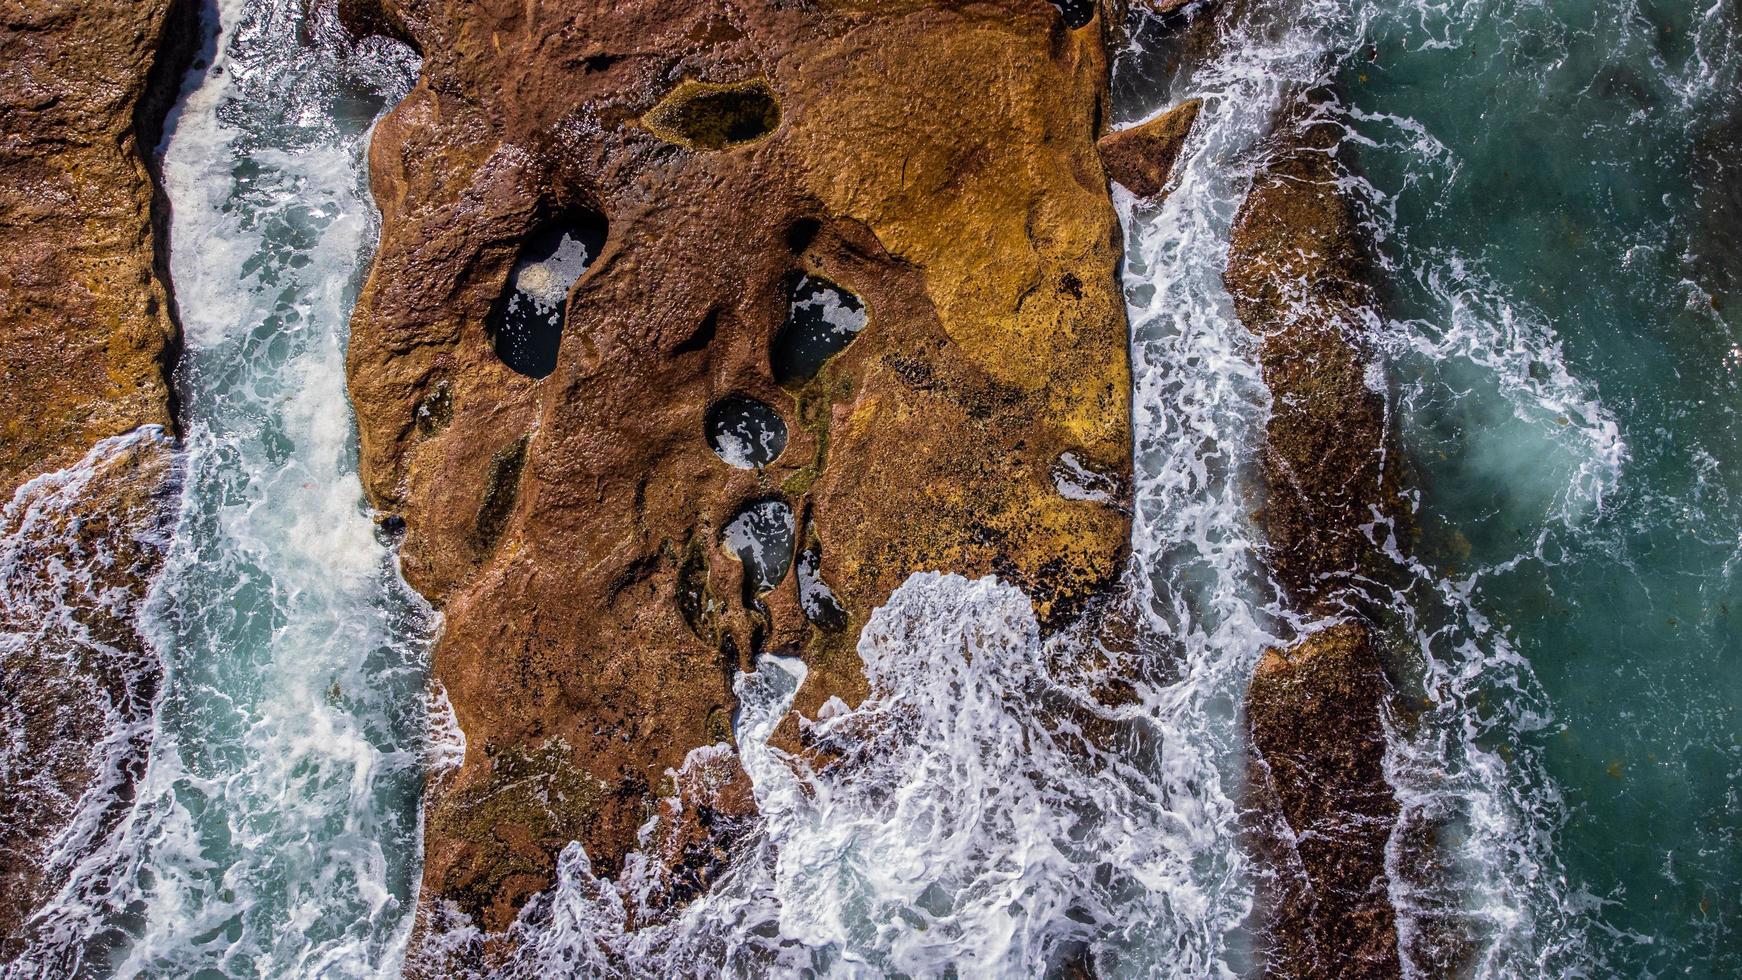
x,y
714,116
1141,158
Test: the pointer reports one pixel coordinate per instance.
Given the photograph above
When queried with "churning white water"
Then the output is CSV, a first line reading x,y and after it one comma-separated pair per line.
x,y
274,831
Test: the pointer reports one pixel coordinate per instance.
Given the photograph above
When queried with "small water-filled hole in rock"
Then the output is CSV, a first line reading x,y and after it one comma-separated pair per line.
x,y
815,598
526,327
1076,13
745,432
761,536
822,319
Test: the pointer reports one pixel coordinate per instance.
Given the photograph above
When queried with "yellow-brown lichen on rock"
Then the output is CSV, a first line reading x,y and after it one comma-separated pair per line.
x,y
1141,157
934,160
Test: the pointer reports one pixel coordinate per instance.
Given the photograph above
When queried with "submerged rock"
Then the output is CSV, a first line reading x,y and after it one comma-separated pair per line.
x,y
933,163
1318,761
1296,275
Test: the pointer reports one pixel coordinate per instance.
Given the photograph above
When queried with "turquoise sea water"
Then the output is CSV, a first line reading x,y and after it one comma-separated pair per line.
x,y
1555,184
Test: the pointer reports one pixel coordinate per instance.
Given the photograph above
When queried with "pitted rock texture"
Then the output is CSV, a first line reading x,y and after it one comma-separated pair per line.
x,y
936,159
86,329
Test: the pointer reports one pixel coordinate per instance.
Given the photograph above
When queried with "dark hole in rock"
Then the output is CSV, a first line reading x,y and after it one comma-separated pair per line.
x,y
1077,13
761,537
821,320
526,326
745,432
708,116
702,336
801,233
815,597
501,486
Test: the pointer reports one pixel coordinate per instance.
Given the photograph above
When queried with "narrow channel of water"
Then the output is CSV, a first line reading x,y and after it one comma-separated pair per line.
x,y
275,830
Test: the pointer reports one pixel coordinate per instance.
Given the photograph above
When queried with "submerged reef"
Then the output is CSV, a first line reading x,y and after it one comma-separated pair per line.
x,y
87,337
913,186
1331,484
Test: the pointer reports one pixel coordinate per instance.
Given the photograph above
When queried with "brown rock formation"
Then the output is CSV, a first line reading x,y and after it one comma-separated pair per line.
x,y
86,331
1295,273
86,337
1318,745
1142,157
935,159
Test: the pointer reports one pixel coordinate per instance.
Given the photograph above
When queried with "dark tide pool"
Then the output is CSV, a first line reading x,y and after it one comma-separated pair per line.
x,y
822,319
745,432
761,536
526,327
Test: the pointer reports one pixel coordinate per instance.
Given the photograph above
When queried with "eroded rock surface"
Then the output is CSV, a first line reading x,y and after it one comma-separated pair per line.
x,y
1142,157
86,339
935,161
86,332
1296,275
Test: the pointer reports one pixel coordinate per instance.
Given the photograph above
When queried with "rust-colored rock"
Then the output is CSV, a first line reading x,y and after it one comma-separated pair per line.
x,y
936,160
86,337
1318,751
1142,157
86,332
1296,275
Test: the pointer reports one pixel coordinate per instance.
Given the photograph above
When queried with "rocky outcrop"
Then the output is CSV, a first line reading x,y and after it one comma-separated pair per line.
x,y
1296,275
1141,157
1318,745
883,219
86,339
86,329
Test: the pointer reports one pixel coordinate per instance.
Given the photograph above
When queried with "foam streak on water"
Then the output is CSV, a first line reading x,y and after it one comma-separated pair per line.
x,y
275,828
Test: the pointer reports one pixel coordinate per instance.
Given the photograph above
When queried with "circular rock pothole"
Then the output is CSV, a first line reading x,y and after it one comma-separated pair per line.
x,y
761,537
745,432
